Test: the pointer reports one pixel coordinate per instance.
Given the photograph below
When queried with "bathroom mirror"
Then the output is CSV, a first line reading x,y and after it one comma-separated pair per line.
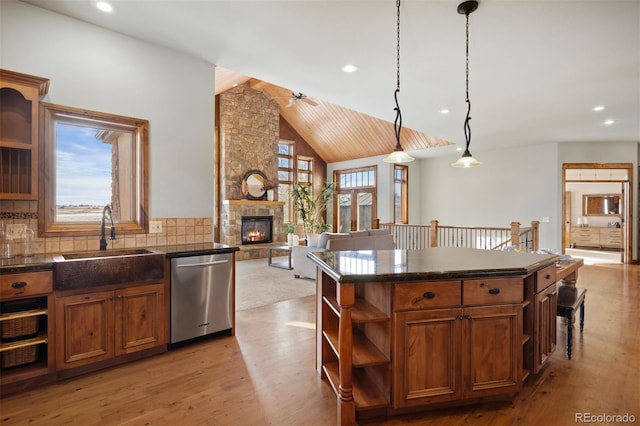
x,y
601,204
253,185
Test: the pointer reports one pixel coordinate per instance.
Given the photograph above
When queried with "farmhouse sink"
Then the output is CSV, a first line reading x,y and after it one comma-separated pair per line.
x,y
105,253
72,271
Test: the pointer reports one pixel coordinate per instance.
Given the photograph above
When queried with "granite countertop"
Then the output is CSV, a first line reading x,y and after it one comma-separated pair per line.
x,y
43,262
427,264
181,250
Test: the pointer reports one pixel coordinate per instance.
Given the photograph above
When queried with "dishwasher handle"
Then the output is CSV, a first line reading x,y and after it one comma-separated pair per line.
x,y
193,265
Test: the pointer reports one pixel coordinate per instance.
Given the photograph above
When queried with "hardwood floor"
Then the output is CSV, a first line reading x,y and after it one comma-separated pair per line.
x,y
265,375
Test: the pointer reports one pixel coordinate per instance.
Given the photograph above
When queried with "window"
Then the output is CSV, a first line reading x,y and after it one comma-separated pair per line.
x,y
92,159
285,177
356,195
400,194
304,175
305,170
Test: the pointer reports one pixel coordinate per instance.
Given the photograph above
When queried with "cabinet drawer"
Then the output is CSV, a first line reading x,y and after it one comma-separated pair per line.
x,y
545,277
25,284
426,295
490,291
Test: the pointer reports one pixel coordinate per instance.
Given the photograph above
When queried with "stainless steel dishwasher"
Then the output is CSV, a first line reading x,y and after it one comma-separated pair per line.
x,y
201,295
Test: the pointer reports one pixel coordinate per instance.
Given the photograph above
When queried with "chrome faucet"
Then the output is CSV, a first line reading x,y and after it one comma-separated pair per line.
x,y
106,211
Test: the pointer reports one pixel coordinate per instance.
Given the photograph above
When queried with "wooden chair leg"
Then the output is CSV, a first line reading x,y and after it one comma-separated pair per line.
x,y
569,333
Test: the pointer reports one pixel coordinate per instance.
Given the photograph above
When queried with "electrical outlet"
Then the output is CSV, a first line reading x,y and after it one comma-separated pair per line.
x,y
16,231
545,219
155,226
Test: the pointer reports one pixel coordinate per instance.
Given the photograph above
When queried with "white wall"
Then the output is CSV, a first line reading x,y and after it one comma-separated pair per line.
x,y
100,70
511,185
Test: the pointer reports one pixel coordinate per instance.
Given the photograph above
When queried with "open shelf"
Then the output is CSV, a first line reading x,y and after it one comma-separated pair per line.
x,y
364,352
365,393
41,338
361,312
22,314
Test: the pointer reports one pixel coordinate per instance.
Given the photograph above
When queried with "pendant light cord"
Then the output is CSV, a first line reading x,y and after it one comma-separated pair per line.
x,y
397,124
467,126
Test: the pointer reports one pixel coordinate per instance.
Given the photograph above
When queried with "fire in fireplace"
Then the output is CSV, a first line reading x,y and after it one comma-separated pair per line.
x,y
257,229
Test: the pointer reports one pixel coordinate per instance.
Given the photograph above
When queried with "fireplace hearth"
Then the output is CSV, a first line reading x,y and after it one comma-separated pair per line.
x,y
257,229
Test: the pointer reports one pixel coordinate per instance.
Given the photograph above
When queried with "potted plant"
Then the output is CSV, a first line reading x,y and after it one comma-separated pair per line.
x,y
311,209
290,230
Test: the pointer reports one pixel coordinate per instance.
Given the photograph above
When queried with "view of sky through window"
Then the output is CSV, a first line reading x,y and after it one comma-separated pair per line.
x,y
83,173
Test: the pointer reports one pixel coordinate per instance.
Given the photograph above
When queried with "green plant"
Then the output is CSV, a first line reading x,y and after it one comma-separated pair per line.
x,y
311,209
290,228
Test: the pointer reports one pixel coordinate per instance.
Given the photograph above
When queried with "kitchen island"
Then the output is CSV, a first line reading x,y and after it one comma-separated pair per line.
x,y
405,330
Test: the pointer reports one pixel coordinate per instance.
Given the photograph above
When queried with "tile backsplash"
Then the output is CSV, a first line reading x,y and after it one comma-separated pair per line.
x,y
174,231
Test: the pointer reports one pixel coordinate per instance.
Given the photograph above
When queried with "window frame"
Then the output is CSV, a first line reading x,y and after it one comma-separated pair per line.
x,y
288,205
404,193
50,114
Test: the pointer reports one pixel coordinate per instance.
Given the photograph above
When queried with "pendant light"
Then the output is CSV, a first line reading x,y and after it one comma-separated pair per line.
x,y
398,155
467,160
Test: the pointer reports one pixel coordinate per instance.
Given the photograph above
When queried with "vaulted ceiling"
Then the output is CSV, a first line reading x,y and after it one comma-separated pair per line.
x,y
336,133
537,68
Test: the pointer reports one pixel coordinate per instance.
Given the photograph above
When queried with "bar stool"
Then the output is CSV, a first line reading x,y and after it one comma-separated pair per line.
x,y
570,298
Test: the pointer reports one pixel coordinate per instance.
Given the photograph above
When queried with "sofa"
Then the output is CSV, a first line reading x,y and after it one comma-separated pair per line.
x,y
372,239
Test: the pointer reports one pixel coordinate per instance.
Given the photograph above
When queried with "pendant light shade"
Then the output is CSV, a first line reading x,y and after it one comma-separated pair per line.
x,y
467,160
398,155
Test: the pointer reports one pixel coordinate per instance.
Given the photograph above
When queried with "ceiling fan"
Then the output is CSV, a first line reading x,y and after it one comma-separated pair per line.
x,y
300,97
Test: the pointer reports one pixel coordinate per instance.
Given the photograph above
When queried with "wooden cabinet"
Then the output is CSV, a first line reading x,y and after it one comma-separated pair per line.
x,y
393,346
19,134
545,326
611,237
445,355
602,237
27,328
98,326
539,319
428,357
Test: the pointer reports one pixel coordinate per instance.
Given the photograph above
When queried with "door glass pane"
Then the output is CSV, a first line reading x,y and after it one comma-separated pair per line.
x,y
365,202
344,212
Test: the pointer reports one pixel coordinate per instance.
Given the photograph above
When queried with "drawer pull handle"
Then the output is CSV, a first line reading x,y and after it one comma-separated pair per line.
x,y
547,277
460,317
19,284
467,316
494,290
426,295
549,295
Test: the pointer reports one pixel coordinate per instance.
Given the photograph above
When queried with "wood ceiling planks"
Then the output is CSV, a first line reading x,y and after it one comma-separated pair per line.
x,y
334,132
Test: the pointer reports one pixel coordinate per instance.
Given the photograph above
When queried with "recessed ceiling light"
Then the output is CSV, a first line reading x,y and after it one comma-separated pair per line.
x,y
444,111
609,122
598,108
349,68
104,6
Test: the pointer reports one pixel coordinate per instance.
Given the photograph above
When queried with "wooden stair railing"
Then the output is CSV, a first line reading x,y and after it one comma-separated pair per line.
x,y
414,237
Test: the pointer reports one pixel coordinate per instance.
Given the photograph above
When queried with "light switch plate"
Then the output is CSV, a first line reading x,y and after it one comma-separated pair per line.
x,y
545,219
155,226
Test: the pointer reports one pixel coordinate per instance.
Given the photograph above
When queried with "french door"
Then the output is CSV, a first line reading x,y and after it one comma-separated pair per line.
x,y
354,206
